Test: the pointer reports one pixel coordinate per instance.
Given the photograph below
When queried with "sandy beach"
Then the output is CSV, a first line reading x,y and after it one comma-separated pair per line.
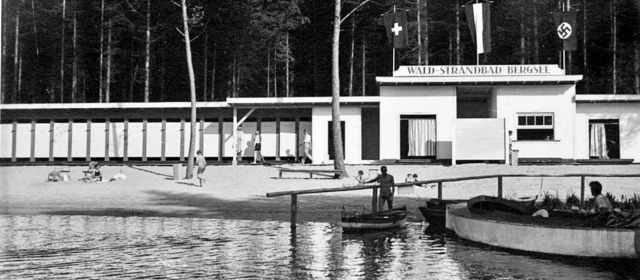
x,y
240,192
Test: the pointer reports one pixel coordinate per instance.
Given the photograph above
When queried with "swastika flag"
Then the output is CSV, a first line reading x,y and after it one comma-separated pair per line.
x,y
566,29
396,26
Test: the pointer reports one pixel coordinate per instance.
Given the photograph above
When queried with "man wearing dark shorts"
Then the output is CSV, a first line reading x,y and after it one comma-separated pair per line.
x,y
257,153
386,188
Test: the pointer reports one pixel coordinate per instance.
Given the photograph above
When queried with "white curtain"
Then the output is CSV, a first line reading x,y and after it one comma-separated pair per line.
x,y
422,137
598,141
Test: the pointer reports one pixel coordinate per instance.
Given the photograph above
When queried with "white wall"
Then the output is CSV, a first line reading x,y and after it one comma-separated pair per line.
x,y
353,134
416,100
6,140
556,99
628,115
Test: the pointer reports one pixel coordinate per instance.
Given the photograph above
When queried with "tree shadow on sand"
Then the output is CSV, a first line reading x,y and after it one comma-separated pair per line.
x,y
149,171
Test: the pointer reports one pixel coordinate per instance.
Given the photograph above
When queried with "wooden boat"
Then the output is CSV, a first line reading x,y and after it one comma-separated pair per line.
x,y
539,235
365,220
435,209
491,203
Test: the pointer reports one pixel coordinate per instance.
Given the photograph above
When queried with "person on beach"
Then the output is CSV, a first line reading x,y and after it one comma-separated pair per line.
x,y
601,204
409,178
357,181
306,144
386,188
510,139
201,163
239,144
257,144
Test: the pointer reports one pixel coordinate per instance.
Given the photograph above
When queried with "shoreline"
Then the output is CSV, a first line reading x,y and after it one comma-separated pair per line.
x,y
239,192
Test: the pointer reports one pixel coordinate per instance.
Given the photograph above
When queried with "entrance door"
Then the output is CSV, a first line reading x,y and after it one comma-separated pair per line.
x,y
604,139
418,136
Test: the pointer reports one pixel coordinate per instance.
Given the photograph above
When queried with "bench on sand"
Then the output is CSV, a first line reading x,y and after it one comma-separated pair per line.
x,y
326,172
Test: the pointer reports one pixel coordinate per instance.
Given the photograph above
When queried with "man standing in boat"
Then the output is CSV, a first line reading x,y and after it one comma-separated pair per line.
x,y
386,188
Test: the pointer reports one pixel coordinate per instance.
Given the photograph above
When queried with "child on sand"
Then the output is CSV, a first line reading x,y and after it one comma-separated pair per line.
x,y
201,163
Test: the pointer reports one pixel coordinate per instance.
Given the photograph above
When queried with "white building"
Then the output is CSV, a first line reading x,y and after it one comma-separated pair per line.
x,y
424,113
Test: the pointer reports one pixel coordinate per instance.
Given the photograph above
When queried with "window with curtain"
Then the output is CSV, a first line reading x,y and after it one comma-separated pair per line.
x,y
598,141
422,137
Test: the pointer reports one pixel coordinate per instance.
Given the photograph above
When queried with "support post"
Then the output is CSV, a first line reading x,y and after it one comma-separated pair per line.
x,y
88,147
70,141
234,132
125,156
500,186
220,138
106,139
144,140
201,132
278,139
51,138
181,140
33,141
296,154
294,210
440,190
163,141
374,200
581,191
14,144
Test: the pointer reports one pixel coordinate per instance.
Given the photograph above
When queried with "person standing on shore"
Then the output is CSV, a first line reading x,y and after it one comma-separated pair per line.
x,y
386,188
201,163
257,144
306,144
239,144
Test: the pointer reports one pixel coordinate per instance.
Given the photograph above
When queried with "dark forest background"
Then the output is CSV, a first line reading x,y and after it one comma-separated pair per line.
x,y
133,51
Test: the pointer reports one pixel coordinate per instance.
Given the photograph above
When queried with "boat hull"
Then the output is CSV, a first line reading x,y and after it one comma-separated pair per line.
x,y
435,209
583,242
390,219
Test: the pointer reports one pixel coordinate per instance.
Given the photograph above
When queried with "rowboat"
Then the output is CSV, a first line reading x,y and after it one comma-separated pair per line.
x,y
539,235
366,220
435,209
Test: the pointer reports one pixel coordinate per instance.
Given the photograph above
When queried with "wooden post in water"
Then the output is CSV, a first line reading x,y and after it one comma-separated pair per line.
x,y
374,200
294,210
581,191
500,186
440,190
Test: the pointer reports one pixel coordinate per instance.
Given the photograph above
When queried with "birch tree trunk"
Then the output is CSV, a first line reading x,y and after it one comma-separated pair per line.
x,y
536,50
213,73
523,45
192,89
614,42
419,32
426,32
636,66
16,60
64,9
287,66
204,79
338,157
74,82
353,49
268,72
147,54
35,28
275,74
3,89
100,91
107,87
457,32
364,65
585,62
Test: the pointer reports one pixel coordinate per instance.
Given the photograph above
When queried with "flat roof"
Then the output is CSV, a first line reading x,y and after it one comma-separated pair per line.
x,y
481,80
301,101
607,98
120,105
244,102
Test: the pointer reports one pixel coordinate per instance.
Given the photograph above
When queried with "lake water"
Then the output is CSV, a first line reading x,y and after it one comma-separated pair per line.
x,y
97,247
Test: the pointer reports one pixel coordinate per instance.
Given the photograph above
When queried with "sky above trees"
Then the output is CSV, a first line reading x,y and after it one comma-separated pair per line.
x,y
132,51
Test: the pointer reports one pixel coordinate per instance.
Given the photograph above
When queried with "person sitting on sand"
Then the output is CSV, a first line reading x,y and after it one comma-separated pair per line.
x,y
93,174
601,203
409,178
357,181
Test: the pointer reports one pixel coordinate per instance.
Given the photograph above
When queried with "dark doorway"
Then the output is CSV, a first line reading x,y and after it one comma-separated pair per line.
x,y
604,139
370,133
418,136
330,137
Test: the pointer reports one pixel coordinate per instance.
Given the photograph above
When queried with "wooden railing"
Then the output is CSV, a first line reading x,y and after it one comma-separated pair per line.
x,y
374,201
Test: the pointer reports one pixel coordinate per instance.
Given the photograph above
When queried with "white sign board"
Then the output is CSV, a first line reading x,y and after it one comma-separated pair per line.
x,y
478,70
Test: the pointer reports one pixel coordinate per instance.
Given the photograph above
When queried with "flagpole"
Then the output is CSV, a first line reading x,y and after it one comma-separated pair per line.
x,y
477,46
393,68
